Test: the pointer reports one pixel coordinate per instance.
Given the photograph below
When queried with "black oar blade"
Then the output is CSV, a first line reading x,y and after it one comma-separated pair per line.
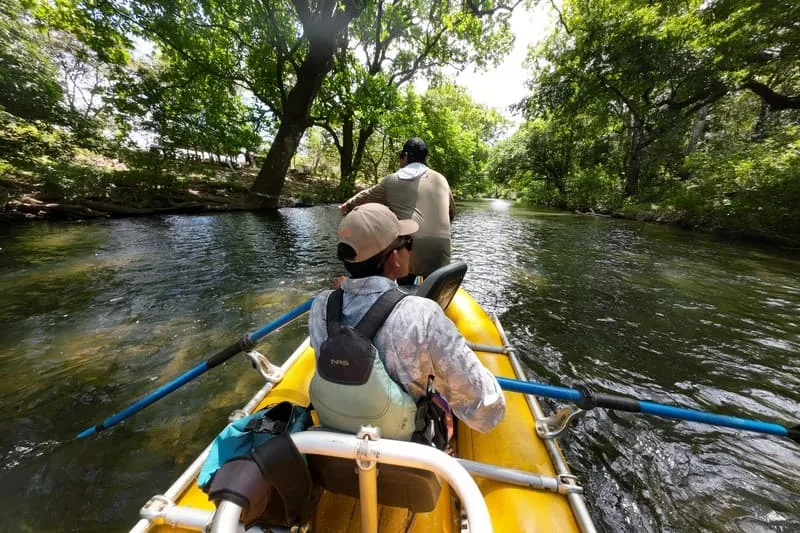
x,y
794,433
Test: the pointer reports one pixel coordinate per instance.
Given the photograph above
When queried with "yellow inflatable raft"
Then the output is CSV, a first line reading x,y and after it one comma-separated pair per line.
x,y
523,483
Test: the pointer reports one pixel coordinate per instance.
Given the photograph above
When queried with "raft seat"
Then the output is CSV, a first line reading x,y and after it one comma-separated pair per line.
x,y
441,285
398,486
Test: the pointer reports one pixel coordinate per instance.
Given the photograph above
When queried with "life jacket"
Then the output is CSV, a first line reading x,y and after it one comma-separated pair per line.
x,y
351,387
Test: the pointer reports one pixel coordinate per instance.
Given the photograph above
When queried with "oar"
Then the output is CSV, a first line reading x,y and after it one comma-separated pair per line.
x,y
246,342
586,399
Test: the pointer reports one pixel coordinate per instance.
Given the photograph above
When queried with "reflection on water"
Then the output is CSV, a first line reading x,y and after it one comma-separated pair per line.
x,y
96,315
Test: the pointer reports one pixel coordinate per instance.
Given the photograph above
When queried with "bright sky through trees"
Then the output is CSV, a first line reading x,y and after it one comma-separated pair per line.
x,y
506,85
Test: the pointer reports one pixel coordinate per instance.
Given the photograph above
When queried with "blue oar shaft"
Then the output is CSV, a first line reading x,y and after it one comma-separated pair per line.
x,y
258,334
246,342
147,400
540,389
682,413
587,400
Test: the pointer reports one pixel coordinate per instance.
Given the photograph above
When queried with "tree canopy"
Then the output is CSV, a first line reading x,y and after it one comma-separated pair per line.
x,y
662,104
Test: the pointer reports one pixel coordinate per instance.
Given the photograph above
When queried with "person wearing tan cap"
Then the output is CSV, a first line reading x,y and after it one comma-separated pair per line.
x,y
421,194
414,340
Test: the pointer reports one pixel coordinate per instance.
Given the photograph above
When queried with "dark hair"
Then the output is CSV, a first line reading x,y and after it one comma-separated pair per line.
x,y
416,150
372,266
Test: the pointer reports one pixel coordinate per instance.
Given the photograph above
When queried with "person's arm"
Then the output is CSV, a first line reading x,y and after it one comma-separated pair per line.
x,y
376,193
317,320
471,390
452,207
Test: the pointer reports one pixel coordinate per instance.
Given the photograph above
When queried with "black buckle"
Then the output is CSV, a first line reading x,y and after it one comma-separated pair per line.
x,y
266,425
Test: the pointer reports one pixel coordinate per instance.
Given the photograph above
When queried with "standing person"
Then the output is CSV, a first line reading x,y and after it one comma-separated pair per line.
x,y
421,194
378,370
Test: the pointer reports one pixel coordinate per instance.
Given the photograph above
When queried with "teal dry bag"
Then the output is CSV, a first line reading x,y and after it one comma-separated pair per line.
x,y
243,436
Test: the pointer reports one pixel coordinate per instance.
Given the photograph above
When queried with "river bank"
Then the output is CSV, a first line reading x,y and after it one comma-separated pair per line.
x,y
721,226
91,185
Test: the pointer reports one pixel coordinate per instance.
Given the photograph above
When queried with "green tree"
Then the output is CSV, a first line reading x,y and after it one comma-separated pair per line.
x,y
643,64
29,85
757,47
388,46
190,111
280,51
456,129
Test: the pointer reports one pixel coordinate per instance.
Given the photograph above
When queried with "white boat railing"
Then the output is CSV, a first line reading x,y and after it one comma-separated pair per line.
x,y
367,452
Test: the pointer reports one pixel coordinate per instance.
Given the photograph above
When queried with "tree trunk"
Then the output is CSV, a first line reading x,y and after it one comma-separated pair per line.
x,y
364,134
350,159
322,32
697,130
634,157
347,174
760,127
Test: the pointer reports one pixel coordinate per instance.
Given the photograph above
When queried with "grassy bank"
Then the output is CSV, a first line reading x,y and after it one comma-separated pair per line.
x,y
44,174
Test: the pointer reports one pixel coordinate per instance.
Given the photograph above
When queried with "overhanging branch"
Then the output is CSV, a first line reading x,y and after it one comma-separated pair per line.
x,y
475,8
776,101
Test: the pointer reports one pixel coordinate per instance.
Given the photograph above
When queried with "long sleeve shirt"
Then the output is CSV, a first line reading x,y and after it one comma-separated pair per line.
x,y
418,340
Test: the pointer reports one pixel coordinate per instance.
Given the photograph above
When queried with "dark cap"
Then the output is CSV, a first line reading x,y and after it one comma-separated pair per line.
x,y
415,149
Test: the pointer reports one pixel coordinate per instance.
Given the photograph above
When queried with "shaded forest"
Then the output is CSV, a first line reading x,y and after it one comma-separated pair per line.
x,y
681,111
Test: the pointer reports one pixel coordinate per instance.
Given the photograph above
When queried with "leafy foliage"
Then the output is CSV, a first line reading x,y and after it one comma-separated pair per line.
x,y
689,110
391,44
456,130
29,86
189,111
683,109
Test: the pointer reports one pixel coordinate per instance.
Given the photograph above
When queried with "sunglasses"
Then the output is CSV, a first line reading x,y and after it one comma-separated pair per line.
x,y
404,241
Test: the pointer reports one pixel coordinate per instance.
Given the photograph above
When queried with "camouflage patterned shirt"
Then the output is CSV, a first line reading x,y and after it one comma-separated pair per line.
x,y
418,340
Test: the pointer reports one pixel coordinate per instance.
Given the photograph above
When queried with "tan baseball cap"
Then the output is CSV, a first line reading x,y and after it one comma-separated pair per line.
x,y
370,228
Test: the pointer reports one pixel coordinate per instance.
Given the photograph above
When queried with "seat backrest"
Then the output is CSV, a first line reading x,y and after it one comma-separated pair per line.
x,y
398,486
442,284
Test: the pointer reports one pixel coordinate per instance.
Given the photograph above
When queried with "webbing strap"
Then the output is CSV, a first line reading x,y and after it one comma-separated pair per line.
x,y
372,320
333,315
379,312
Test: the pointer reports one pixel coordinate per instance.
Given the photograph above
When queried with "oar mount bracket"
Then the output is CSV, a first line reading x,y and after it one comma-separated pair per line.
x,y
553,426
271,373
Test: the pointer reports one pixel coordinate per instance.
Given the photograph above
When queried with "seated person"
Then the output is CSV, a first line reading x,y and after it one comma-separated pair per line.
x,y
378,371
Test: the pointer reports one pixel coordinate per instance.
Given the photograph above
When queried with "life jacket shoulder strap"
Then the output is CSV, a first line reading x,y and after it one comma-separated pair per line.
x,y
379,312
371,321
333,316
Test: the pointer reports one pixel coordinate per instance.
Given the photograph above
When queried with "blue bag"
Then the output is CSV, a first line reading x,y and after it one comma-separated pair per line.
x,y
241,437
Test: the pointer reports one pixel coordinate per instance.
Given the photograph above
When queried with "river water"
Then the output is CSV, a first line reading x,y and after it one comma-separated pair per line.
x,y
95,315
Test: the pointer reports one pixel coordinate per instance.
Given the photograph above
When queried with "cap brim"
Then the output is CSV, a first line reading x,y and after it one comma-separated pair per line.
x,y
408,227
